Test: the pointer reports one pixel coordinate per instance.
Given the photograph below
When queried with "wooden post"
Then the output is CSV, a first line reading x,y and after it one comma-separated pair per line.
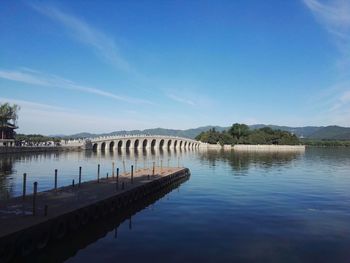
x,y
24,185
55,179
35,190
98,173
112,169
154,163
132,174
117,180
79,175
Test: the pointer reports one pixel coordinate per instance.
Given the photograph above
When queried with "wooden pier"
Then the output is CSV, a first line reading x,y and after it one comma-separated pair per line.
x,y
30,222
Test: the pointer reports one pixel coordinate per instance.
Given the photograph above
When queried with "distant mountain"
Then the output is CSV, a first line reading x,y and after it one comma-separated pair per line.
x,y
309,132
298,131
189,133
331,133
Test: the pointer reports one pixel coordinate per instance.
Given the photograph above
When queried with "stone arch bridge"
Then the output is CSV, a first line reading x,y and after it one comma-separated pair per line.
x,y
114,143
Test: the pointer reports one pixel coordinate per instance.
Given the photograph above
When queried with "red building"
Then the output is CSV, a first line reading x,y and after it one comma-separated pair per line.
x,y
7,135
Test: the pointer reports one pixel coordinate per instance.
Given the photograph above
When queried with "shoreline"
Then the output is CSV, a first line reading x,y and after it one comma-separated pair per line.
x,y
10,150
256,148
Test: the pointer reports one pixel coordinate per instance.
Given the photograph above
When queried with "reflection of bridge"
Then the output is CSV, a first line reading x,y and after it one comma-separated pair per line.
x,y
112,143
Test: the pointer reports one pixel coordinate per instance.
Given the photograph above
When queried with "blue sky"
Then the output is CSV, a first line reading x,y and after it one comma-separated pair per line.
x,y
101,66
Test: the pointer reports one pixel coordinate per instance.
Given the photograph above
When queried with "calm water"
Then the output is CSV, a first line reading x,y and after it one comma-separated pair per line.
x,y
234,208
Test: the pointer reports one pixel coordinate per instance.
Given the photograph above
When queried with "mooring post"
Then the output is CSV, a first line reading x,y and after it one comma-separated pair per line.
x,y
35,190
112,169
98,173
79,175
107,176
153,169
24,185
55,179
117,180
132,174
46,208
73,183
124,166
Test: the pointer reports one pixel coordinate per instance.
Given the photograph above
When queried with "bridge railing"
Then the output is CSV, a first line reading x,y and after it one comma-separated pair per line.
x,y
117,137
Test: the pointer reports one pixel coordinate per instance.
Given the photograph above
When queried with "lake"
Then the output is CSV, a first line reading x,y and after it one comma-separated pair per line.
x,y
236,207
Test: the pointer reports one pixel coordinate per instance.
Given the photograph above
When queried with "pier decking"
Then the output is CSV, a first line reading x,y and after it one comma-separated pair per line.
x,y
30,223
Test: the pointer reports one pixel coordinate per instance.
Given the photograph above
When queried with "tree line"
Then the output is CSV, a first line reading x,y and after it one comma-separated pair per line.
x,y
242,134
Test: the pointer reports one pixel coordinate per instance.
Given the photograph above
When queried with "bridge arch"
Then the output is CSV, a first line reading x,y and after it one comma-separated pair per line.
x,y
175,143
136,143
128,143
144,144
94,147
103,146
181,142
120,144
153,143
111,146
169,144
161,144
185,144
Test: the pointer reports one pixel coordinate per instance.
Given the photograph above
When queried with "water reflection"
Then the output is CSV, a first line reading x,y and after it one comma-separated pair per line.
x,y
243,161
297,212
6,169
40,166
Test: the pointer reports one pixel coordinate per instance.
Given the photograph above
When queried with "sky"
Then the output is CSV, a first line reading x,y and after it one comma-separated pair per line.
x,y
102,66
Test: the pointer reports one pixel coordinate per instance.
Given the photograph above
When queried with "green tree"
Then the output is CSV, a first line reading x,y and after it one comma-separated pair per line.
x,y
8,113
237,131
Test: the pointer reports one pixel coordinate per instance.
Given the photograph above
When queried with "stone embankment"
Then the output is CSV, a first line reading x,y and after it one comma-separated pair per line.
x,y
255,148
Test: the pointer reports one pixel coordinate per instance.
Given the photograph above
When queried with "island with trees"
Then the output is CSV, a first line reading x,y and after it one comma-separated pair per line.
x,y
242,134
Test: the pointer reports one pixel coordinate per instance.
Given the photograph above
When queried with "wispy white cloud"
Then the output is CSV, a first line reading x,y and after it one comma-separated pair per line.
x,y
42,118
34,77
335,17
32,105
181,99
80,30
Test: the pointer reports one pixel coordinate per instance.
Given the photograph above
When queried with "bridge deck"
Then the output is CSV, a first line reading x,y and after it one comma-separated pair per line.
x,y
16,213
